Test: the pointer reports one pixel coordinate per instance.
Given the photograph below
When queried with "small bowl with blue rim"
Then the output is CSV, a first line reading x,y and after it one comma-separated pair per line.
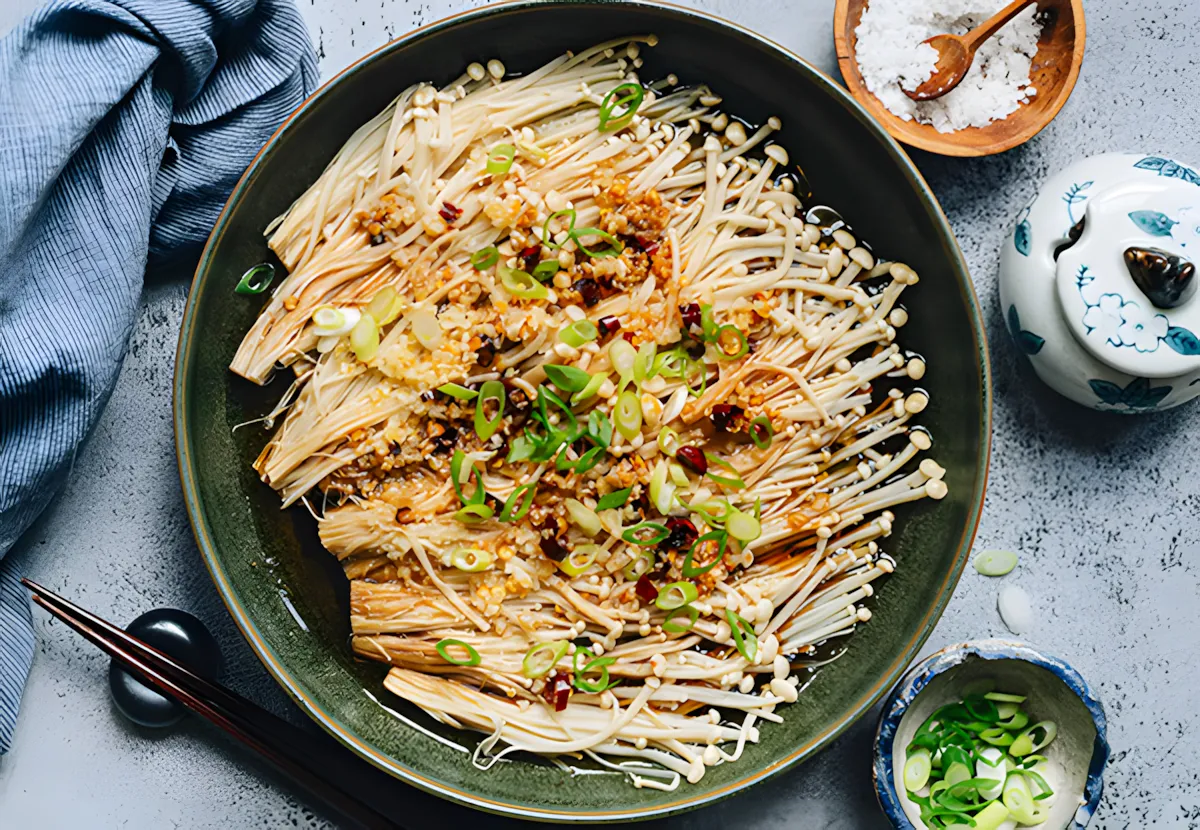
x,y
1054,690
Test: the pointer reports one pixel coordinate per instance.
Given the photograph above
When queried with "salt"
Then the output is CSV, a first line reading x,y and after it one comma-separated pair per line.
x,y
892,57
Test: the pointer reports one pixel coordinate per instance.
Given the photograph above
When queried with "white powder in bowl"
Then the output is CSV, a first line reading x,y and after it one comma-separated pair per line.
x,y
891,54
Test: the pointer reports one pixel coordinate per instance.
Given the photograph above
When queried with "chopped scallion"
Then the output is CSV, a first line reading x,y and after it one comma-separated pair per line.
x,y
761,432
567,378
485,258
543,657
516,507
472,560
616,498
472,654
547,237
500,159
578,333
646,534
580,559
743,636
521,284
454,390
675,595
628,97
256,280
485,425
671,626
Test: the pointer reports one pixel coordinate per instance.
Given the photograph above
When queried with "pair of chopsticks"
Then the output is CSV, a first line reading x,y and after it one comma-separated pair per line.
x,y
292,750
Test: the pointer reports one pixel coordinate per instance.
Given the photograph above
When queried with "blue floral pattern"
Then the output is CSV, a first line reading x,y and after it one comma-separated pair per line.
x,y
1074,196
1127,324
1169,169
1137,395
1023,232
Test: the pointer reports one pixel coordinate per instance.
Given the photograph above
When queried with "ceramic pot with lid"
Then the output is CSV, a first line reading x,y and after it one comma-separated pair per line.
x,y
1098,282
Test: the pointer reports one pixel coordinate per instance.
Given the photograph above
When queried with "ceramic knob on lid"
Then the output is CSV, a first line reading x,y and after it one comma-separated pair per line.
x,y
1099,282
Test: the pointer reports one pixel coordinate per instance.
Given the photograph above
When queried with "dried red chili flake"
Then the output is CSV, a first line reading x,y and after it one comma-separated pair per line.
x,y
557,690
449,212
608,325
691,315
627,336
530,256
693,458
683,533
725,416
645,589
589,290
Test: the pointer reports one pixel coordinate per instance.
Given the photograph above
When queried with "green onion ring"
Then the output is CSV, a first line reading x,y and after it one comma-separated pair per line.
x,y
614,247
454,390
633,537
535,665
485,258
627,95
485,427
761,432
743,635
523,496
254,281
472,654
721,537
500,159
743,343
521,284
671,627
676,595
616,498
474,513
547,239
567,378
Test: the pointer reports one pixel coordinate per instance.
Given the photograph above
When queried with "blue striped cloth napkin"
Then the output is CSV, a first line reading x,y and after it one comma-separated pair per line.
x,y
124,124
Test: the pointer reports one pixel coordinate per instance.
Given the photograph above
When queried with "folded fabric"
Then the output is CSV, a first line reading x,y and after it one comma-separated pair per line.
x,y
124,124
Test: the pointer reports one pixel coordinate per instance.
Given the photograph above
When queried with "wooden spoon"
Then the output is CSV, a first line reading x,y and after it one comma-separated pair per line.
x,y
956,52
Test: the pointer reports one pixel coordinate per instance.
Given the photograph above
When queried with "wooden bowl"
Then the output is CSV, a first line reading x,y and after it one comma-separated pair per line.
x,y
1054,71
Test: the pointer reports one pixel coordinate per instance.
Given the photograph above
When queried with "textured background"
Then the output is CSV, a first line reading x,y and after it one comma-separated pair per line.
x,y
1102,508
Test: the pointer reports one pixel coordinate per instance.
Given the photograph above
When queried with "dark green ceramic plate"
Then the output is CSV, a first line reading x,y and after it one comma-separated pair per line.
x,y
288,596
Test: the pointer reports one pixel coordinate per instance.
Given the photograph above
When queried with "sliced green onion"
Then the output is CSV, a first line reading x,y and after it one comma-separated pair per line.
x,y
686,367
743,636
472,654
675,595
580,559
622,354
668,441
327,320
628,97
734,481
627,415
612,248
636,535
547,238
540,659
567,378
997,736
472,560
583,517
485,258
456,462
1001,697
643,364
671,627
639,565
722,540
601,664
743,343
996,563
707,324
1028,743
473,513
454,390
578,333
500,159
590,390
917,767
516,506
678,475
599,428
546,269
713,511
1016,723
1018,798
588,460
485,427
364,338
761,432
742,526
662,492
520,284
990,817
616,498
385,306
256,280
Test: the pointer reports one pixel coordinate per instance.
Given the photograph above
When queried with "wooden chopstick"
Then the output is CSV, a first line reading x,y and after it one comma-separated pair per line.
x,y
284,745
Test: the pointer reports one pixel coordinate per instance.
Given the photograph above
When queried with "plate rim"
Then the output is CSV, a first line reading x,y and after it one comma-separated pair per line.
x,y
327,720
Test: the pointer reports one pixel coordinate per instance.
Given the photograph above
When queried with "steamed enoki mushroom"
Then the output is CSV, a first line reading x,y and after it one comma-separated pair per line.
x,y
603,426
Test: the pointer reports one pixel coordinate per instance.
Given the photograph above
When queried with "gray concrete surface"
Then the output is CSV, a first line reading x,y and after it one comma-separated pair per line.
x,y
1103,509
